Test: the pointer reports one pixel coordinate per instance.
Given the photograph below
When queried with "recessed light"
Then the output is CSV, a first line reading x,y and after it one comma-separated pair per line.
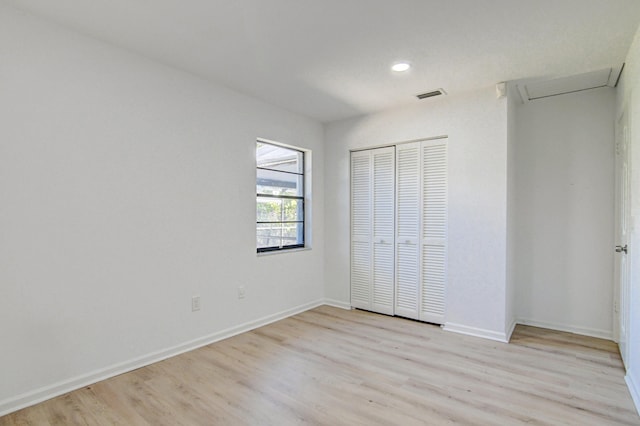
x,y
401,66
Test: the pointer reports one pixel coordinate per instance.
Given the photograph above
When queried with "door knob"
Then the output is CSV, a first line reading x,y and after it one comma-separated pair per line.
x,y
620,249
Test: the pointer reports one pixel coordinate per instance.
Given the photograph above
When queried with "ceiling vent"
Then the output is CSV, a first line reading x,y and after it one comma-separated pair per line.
x,y
431,94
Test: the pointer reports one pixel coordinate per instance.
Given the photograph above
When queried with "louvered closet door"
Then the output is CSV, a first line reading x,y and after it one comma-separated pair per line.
x,y
361,205
434,230
383,229
372,229
399,230
407,292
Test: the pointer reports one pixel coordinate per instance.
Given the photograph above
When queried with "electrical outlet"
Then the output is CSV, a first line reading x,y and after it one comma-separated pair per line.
x,y
195,303
241,292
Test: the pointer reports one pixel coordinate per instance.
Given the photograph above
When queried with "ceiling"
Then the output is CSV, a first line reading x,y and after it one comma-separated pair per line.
x,y
330,59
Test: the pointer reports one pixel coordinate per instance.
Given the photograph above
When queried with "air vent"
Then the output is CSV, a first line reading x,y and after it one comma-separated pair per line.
x,y
431,94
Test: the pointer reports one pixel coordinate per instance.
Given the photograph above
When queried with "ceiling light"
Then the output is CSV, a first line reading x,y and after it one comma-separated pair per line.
x,y
401,66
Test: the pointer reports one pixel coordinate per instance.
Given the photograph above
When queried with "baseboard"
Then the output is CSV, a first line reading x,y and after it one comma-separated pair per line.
x,y
477,332
47,392
634,388
591,332
510,329
337,304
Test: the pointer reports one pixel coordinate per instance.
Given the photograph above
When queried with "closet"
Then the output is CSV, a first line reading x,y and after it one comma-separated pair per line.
x,y
399,230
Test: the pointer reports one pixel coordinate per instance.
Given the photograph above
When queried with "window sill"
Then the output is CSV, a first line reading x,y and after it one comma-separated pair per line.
x,y
271,253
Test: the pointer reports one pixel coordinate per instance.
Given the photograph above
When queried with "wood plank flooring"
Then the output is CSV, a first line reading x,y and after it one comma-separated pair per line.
x,y
329,366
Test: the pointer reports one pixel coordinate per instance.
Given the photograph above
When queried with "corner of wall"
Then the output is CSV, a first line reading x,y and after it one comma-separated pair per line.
x,y
498,336
337,304
633,383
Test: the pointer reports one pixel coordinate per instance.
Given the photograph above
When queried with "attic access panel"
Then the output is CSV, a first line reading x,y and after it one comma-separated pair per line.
x,y
575,83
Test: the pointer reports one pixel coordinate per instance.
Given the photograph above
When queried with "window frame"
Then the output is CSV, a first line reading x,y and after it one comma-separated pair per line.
x,y
300,198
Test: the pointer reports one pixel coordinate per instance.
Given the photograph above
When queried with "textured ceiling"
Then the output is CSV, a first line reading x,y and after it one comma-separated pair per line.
x,y
330,59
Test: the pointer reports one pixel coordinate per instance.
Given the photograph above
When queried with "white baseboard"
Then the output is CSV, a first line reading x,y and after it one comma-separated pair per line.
x,y
477,332
633,383
510,329
592,332
337,304
47,392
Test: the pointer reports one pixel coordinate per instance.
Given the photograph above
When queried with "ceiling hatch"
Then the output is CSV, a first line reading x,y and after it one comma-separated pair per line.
x,y
539,89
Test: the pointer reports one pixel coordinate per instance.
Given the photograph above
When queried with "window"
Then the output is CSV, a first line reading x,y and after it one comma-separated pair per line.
x,y
279,197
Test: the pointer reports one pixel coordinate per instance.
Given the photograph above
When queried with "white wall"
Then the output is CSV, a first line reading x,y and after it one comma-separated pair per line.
x,y
126,187
629,96
565,199
477,130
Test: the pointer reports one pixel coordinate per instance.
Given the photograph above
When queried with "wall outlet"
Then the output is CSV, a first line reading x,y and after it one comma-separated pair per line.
x,y
195,303
241,292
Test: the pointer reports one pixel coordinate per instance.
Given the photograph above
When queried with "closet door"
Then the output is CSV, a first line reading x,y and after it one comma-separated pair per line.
x,y
372,229
383,229
408,167
399,230
361,205
434,230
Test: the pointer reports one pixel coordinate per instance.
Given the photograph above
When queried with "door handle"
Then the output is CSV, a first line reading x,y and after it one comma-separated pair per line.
x,y
620,249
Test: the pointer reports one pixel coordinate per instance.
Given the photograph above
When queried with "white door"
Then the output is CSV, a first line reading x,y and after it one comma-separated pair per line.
x,y
383,229
421,236
361,259
372,229
399,230
408,171
434,230
621,296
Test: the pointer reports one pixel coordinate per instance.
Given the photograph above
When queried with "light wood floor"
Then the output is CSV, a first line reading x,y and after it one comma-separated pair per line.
x,y
328,366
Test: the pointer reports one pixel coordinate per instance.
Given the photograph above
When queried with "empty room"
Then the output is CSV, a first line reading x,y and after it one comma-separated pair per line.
x,y
275,212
